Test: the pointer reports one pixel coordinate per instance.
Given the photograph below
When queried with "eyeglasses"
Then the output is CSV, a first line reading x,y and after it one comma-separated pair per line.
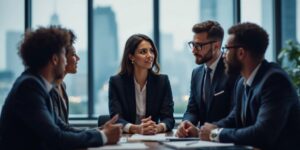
x,y
226,48
199,46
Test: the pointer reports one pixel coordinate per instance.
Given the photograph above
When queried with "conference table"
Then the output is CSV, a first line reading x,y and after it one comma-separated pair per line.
x,y
157,145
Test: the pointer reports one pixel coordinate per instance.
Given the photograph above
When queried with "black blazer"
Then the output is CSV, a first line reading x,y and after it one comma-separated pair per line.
x,y
219,105
159,101
28,120
61,108
273,112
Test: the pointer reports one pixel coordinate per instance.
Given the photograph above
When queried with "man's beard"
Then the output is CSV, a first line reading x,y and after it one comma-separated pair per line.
x,y
233,66
207,57
58,73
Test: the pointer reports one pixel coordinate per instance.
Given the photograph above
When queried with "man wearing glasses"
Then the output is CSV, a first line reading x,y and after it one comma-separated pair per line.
x,y
267,110
211,88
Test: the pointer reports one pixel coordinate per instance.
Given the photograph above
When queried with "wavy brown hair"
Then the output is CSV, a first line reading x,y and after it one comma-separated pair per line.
x,y
130,47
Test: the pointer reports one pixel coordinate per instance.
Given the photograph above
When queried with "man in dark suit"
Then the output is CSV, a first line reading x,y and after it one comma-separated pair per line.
x,y
28,120
211,88
267,111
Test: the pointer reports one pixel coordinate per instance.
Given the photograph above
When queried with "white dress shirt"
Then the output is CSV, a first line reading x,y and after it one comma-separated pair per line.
x,y
140,100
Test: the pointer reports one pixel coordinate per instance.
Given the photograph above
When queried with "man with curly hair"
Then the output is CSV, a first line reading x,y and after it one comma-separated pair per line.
x,y
28,120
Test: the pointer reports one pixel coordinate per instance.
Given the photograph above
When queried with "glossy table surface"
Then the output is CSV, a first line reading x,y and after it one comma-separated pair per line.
x,y
160,146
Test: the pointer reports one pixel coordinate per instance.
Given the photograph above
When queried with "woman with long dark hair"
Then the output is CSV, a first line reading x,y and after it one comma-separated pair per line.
x,y
138,93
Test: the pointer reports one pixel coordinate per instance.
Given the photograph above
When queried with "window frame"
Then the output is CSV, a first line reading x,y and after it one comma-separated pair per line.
x,y
156,13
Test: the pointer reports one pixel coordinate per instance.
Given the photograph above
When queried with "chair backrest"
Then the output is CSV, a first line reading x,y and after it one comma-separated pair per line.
x,y
102,119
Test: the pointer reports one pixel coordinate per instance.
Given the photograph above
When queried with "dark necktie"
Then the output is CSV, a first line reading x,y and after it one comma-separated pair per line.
x,y
207,85
244,103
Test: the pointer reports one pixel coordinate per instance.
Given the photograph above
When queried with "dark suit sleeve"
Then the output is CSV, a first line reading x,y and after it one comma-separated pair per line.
x,y
114,101
31,106
192,111
66,127
229,121
275,100
167,108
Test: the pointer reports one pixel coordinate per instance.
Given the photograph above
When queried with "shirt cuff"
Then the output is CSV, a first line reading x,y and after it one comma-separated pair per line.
x,y
215,134
104,138
127,127
165,127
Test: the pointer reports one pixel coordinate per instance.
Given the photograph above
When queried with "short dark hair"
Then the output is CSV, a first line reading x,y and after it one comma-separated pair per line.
x,y
213,29
37,47
252,37
131,45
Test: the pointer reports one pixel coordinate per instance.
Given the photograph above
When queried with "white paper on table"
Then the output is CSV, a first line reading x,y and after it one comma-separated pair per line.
x,y
139,137
120,146
195,144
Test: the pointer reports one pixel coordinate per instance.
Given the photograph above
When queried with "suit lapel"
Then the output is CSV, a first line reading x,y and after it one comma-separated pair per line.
x,y
239,100
66,99
48,99
256,80
130,94
149,97
199,89
216,82
218,76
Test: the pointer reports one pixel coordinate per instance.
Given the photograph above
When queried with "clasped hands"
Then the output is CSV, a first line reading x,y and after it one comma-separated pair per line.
x,y
187,129
147,127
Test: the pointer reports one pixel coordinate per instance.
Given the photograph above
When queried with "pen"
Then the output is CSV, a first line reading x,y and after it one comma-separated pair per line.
x,y
190,143
219,93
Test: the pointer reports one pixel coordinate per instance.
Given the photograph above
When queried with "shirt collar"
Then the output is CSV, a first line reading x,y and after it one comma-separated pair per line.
x,y
213,66
48,85
138,86
252,76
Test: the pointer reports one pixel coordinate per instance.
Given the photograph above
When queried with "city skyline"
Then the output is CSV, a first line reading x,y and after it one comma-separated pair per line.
x,y
79,25
111,30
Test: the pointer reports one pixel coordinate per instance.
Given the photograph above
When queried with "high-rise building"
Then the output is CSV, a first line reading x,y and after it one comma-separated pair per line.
x,y
288,21
105,50
208,10
13,61
218,10
54,20
267,23
6,81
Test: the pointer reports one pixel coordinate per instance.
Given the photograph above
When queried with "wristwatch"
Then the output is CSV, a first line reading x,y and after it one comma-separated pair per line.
x,y
214,134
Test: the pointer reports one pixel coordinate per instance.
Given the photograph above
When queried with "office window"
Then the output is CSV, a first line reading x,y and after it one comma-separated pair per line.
x,y
290,19
261,13
177,18
11,31
71,14
114,22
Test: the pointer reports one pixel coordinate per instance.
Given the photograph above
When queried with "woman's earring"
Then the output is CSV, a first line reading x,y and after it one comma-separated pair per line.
x,y
132,61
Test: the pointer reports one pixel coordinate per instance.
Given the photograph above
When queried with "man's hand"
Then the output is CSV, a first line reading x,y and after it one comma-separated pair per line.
x,y
112,131
187,129
205,131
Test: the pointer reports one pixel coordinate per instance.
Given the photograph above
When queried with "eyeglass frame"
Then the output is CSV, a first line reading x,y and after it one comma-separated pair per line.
x,y
199,46
226,48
